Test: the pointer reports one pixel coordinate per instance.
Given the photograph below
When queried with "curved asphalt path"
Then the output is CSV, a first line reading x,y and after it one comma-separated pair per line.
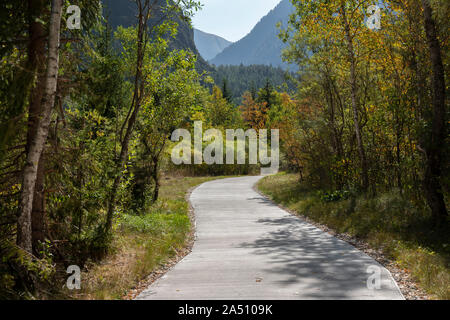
x,y
247,248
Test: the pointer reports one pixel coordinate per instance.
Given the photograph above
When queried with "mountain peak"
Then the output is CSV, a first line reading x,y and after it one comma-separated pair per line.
x,y
261,45
209,45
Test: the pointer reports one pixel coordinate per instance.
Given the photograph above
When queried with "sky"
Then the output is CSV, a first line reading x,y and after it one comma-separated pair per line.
x,y
231,19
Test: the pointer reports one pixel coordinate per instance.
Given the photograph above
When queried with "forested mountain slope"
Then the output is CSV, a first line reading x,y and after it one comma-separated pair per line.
x,y
261,45
123,13
240,79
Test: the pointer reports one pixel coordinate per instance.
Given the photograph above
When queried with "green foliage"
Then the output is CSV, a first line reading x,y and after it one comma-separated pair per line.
x,y
81,178
12,23
142,243
15,85
155,224
267,95
23,276
220,113
225,91
121,13
104,69
334,196
93,99
99,88
387,105
240,79
172,90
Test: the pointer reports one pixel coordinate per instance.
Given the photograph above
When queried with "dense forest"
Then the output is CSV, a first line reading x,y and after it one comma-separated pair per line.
x,y
86,118
373,111
85,130
369,127
236,80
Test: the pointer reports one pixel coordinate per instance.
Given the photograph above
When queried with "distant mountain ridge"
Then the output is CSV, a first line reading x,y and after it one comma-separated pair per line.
x,y
209,45
261,45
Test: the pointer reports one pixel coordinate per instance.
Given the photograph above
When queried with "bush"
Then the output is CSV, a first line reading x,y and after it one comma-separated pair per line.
x,y
334,196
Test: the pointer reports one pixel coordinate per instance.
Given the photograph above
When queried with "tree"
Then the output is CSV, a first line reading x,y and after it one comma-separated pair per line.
x,y
225,91
144,10
250,78
171,102
434,150
141,51
30,171
372,89
36,63
254,112
219,111
355,97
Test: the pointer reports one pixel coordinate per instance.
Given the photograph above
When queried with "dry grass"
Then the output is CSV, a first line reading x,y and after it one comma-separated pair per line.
x,y
142,243
388,222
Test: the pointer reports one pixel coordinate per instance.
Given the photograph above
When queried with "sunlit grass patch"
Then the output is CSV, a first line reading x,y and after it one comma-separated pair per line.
x,y
142,243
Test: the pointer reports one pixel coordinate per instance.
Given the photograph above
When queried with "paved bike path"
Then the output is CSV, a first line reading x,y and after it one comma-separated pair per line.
x,y
247,248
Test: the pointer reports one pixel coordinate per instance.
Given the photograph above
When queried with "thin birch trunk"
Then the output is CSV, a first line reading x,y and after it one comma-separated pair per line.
x,y
24,229
143,16
355,102
37,63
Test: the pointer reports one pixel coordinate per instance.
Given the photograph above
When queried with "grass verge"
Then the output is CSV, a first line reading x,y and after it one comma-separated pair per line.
x,y
142,244
388,222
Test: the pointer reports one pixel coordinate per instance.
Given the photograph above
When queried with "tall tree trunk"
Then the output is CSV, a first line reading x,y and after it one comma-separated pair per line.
x,y
120,165
24,228
143,16
36,62
335,143
355,101
155,179
434,149
38,211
